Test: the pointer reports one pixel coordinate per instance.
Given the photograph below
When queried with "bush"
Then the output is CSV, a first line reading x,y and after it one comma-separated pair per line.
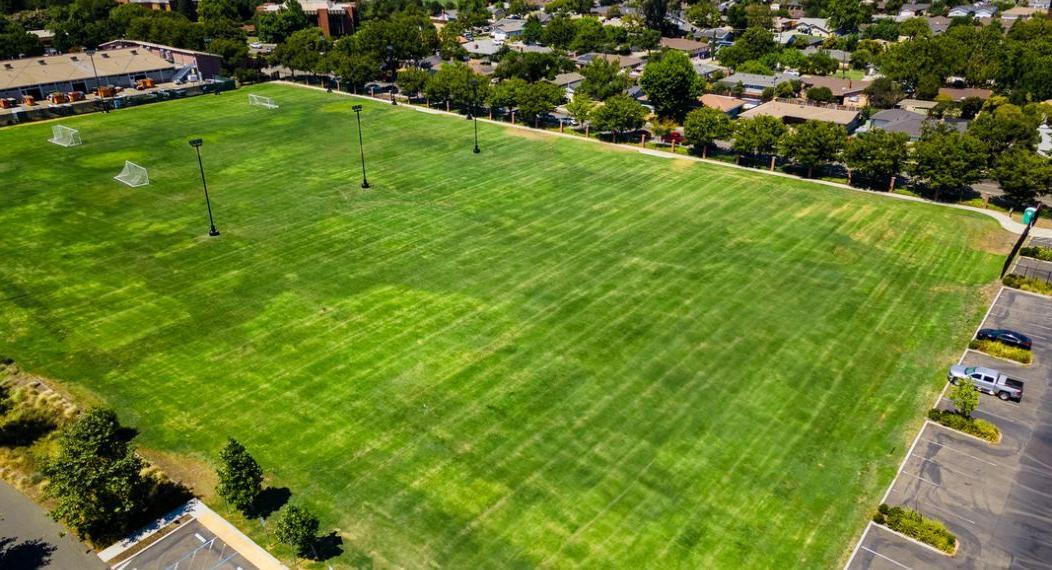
x,y
971,426
915,525
297,527
1002,350
1027,284
1042,253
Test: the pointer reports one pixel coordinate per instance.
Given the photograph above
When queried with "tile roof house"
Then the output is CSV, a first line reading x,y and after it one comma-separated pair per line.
x,y
754,84
732,106
917,105
569,81
690,47
791,113
622,61
848,92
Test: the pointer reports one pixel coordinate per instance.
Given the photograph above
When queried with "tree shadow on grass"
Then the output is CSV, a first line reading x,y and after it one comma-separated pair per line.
x,y
328,546
27,555
270,500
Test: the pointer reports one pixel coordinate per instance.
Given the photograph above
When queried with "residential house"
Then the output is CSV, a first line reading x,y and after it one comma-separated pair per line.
x,y
507,29
844,57
156,5
848,92
908,122
717,37
960,94
569,81
908,11
625,62
528,48
732,106
690,47
753,84
817,27
939,24
1044,145
1021,13
707,70
482,47
917,105
793,113
978,10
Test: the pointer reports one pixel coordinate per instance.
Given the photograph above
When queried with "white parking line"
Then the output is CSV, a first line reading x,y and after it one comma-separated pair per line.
x,y
941,466
893,561
921,478
199,537
944,446
993,415
951,513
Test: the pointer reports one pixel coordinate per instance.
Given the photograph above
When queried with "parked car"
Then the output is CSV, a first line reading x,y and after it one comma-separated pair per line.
x,y
1011,338
988,380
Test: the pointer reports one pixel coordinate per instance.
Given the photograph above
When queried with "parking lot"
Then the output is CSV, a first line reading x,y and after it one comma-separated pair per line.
x,y
997,499
190,547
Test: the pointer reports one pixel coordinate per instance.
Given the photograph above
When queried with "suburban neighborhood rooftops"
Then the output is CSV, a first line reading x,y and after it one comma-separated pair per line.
x,y
568,79
840,87
623,61
683,44
801,112
959,94
901,121
15,73
721,102
917,104
755,80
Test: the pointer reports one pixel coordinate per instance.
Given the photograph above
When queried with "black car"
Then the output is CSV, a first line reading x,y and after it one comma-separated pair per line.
x,y
1011,338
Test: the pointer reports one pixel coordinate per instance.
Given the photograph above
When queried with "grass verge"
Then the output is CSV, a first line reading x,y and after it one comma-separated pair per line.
x,y
1028,284
1002,350
971,426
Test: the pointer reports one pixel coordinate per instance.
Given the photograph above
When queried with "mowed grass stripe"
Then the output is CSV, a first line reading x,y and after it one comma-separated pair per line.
x,y
550,354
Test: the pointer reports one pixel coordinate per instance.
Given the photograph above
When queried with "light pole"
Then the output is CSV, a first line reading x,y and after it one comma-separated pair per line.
x,y
196,143
361,146
474,112
394,71
91,55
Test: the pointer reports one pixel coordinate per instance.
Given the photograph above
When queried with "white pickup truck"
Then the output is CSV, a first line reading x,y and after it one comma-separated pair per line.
x,y
988,380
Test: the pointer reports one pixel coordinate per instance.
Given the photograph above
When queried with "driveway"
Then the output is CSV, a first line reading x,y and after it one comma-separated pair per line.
x,y
995,498
29,539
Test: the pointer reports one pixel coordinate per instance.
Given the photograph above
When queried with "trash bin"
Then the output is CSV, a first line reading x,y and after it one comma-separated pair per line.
x,y
1030,215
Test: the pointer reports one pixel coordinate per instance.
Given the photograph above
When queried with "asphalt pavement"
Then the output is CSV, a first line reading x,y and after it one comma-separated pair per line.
x,y
997,499
29,539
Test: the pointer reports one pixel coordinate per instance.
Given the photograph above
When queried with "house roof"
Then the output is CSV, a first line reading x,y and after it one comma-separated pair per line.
x,y
26,72
622,61
482,46
682,44
837,54
917,104
783,109
524,48
568,79
958,94
755,80
721,102
839,86
509,24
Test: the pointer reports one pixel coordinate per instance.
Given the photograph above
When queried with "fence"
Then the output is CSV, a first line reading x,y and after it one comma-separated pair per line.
x,y
44,112
1032,270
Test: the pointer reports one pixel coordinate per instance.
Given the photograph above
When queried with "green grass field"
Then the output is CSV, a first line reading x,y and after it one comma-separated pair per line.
x,y
551,354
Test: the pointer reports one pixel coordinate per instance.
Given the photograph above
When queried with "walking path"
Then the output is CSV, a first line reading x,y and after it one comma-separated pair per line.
x,y
1007,223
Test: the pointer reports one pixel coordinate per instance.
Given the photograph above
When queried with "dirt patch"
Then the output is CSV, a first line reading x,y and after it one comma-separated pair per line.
x,y
995,240
191,472
527,134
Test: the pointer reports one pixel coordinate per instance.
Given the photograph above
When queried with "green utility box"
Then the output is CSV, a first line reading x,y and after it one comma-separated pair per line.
x,y
1029,216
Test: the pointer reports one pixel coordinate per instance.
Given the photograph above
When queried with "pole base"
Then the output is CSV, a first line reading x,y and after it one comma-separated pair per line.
x,y
213,231
476,150
365,183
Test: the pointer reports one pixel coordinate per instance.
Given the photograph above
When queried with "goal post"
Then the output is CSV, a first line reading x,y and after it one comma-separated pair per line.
x,y
261,101
133,175
64,136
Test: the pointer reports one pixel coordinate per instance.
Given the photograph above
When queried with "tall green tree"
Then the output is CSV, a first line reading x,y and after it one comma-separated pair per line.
x,y
813,143
352,66
602,79
965,397
1024,175
277,26
538,99
302,51
15,41
671,84
297,527
753,44
846,15
532,66
581,107
758,135
705,126
618,115
95,478
946,159
883,93
240,477
1005,127
654,13
412,80
704,14
217,10
878,153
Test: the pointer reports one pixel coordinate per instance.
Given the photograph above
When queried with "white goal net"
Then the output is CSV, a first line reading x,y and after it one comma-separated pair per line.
x,y
261,101
133,175
64,136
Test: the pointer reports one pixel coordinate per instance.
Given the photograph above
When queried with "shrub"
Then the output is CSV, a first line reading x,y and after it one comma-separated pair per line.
x,y
1002,350
1028,284
297,527
1042,253
972,426
915,525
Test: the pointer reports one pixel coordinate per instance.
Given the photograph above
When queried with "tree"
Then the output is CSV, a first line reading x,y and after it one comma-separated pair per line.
x,y
412,80
533,30
454,83
914,28
410,35
240,477
217,10
654,12
538,99
705,126
276,26
581,107
759,16
753,44
532,66
1003,127
352,66
758,136
15,41
820,95
602,79
619,114
946,159
878,153
302,50
505,95
671,84
846,15
296,527
883,93
560,32
813,143
704,14
821,63
965,397
95,478
234,54
588,35
1023,175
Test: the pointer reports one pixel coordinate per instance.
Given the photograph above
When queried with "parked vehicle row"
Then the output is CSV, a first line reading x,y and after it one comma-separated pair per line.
x,y
989,380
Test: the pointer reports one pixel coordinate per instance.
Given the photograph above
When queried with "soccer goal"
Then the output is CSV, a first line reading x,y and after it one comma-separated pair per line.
x,y
261,101
133,175
64,136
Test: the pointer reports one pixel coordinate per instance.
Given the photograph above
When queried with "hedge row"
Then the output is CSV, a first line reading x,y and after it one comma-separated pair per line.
x,y
915,525
1028,284
1002,350
972,426
1042,253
